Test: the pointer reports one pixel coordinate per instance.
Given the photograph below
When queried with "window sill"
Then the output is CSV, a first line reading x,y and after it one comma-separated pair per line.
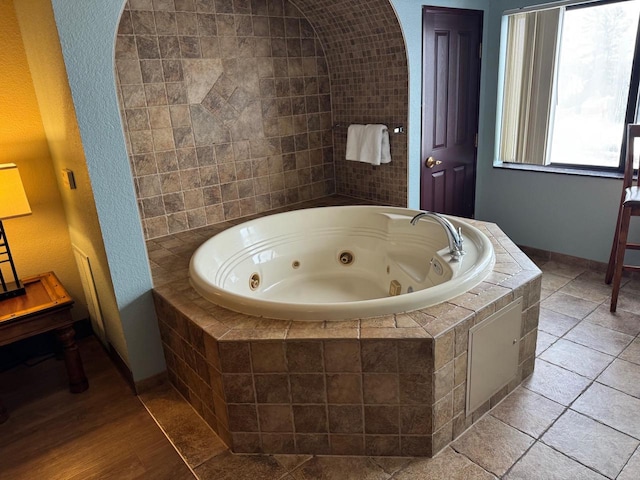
x,y
582,172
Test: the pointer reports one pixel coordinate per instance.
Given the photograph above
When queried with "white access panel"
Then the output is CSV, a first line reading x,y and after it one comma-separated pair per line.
x,y
494,346
90,293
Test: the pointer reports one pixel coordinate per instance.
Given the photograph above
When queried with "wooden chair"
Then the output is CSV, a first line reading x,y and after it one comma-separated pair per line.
x,y
629,207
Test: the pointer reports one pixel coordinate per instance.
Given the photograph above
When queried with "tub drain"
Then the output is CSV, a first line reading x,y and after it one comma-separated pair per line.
x,y
254,281
345,258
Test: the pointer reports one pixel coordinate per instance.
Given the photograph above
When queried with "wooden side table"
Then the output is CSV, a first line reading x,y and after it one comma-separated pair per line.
x,y
46,306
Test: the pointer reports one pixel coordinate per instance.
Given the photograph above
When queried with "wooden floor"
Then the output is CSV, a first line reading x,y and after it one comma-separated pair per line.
x,y
103,433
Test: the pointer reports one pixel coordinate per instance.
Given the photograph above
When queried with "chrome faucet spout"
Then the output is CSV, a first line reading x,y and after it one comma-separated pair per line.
x,y
454,237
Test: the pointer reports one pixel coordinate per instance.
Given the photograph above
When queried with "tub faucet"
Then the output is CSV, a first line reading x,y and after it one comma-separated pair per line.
x,y
453,236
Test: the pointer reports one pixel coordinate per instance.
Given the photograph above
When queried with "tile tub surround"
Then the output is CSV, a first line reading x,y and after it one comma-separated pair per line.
x,y
387,386
365,50
228,106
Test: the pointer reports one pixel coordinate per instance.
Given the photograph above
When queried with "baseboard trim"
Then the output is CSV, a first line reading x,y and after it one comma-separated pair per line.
x,y
122,367
143,386
538,254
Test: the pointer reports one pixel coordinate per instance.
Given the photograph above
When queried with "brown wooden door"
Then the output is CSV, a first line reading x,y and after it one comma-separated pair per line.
x,y
450,90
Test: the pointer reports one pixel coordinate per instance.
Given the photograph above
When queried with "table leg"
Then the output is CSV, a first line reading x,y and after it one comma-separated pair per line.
x,y
77,379
4,415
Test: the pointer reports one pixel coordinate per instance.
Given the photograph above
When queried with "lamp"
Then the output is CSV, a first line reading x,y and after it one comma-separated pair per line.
x,y
13,203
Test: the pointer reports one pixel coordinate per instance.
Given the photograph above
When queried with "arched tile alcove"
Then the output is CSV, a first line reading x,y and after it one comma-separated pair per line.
x,y
367,59
229,106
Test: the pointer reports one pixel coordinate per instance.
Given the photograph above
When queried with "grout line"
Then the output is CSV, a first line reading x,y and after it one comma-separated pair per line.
x,y
568,407
168,437
592,382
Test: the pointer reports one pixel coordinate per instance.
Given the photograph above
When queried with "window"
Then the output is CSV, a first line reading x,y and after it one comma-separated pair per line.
x,y
569,87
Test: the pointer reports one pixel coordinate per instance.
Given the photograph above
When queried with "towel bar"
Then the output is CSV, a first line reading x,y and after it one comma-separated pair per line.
x,y
396,130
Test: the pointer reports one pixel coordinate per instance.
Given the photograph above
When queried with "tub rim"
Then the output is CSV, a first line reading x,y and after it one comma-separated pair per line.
x,y
329,311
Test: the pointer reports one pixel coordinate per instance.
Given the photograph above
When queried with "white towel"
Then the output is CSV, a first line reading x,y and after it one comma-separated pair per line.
x,y
354,140
368,144
375,145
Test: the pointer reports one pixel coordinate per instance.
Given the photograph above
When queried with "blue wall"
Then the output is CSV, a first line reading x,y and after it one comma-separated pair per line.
x,y
569,214
87,36
410,15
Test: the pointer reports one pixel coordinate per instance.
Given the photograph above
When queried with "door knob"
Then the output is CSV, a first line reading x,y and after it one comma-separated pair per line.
x,y
431,162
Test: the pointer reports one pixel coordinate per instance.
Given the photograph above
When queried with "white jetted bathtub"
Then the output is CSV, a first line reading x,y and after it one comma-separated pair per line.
x,y
337,263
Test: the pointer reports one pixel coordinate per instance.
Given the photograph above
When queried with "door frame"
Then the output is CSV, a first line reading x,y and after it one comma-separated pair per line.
x,y
479,13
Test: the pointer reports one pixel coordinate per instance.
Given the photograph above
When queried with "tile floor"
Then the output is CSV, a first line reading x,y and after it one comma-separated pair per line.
x,y
576,417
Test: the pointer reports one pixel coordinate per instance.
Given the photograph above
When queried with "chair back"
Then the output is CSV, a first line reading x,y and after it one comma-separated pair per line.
x,y
633,132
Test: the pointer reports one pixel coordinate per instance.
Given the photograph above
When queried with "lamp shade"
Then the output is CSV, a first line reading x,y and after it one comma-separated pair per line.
x,y
13,199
